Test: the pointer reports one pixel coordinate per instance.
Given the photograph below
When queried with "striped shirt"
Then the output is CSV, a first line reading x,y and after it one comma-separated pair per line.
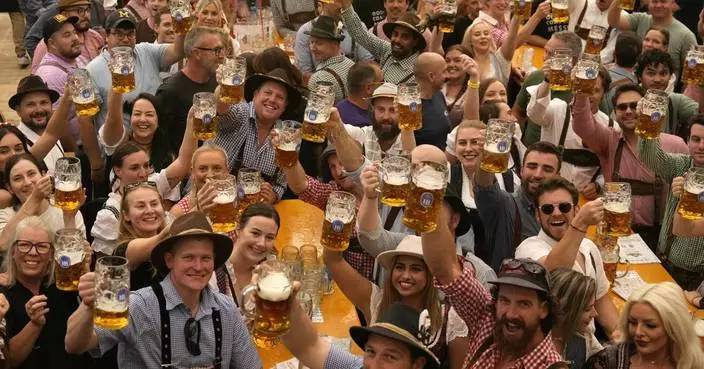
x,y
339,64
395,71
685,252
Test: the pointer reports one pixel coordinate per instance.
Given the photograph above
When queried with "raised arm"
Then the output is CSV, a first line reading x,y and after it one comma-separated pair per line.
x,y
303,341
139,250
348,150
179,169
509,45
436,42
355,286
616,18
539,106
358,31
80,336
471,97
682,227
667,166
525,35
114,128
440,253
368,218
40,192
564,253
174,52
594,135
55,128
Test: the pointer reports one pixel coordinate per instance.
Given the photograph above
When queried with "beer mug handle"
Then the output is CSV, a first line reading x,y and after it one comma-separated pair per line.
x,y
249,307
625,272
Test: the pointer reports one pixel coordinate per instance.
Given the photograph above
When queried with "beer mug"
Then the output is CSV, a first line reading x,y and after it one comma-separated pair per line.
x,y
409,107
291,256
560,12
327,284
309,255
610,253
317,113
112,292
289,141
617,208
425,199
653,110
311,283
586,71
205,121
68,258
121,66
522,9
271,309
339,221
223,215
691,71
83,93
395,180
691,204
595,42
372,150
231,75
560,70
627,4
700,65
447,16
497,146
249,187
182,16
68,193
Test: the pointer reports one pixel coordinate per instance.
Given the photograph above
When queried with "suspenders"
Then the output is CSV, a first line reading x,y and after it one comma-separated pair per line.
x,y
638,187
166,330
583,33
339,81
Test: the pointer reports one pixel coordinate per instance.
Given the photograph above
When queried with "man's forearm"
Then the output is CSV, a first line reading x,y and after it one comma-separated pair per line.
x,y
303,341
80,336
90,143
440,253
348,150
296,178
608,315
564,253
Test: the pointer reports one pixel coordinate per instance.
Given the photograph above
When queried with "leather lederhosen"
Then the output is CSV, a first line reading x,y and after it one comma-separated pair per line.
x,y
166,330
583,33
296,20
578,157
237,165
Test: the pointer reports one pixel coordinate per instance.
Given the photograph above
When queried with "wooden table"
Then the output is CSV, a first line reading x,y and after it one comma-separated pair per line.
x,y
538,55
300,225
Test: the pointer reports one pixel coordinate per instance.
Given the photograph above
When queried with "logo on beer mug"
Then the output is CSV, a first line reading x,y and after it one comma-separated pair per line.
x,y
521,2
701,197
207,118
179,17
502,146
125,70
591,73
413,106
312,115
64,261
236,80
122,294
337,226
655,116
566,69
86,93
692,63
426,199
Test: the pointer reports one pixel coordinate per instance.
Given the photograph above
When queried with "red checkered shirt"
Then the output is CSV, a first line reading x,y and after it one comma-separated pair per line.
x,y
317,193
473,303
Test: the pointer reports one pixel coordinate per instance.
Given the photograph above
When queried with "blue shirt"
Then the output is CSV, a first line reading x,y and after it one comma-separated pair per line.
x,y
305,60
436,125
352,114
339,359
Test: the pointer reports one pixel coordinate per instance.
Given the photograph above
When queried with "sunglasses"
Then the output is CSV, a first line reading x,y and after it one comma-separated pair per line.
x,y
625,106
145,184
516,264
26,246
192,333
548,209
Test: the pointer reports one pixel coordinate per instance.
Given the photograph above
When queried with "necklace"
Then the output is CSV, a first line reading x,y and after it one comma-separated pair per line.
x,y
653,363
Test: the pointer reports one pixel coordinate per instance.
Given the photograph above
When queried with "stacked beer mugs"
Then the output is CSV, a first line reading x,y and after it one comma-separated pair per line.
x,y
586,72
272,307
617,208
223,215
291,256
425,198
231,75
112,292
447,16
121,67
609,251
83,93
409,107
497,146
522,9
595,41
312,276
693,69
560,11
182,15
627,4
653,110
249,188
395,180
691,204
338,225
68,258
560,62
68,193
289,140
317,113
205,120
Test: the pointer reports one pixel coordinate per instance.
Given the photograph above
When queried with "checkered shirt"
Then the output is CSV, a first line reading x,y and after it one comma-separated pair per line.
x,y
339,64
394,70
238,127
473,303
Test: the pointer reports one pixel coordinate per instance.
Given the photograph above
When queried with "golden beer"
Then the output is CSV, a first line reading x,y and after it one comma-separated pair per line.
x,y
593,45
286,157
610,271
68,269
123,83
560,78
649,126
337,232
690,71
87,109
182,24
447,22
627,4
231,94
560,13
68,195
223,215
205,128
111,317
410,116
248,199
617,217
495,161
691,204
699,74
272,309
582,83
522,8
314,132
422,208
394,191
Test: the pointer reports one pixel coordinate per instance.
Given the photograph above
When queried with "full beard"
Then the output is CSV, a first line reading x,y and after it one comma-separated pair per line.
x,y
384,135
510,345
33,125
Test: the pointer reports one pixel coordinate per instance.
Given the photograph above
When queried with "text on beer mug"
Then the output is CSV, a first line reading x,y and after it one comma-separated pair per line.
x,y
205,120
595,42
289,141
617,208
112,293
338,224
395,181
68,192
249,187
223,214
271,309
231,75
497,146
586,73
560,11
428,182
68,258
182,16
653,110
83,93
691,205
121,67
409,107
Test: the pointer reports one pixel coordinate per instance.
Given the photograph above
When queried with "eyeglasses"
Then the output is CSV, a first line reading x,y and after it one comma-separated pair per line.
x,y
121,35
144,184
531,267
548,209
215,50
192,333
26,246
78,9
625,106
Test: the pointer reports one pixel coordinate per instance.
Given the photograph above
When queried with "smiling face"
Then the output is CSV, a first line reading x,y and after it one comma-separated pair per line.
x,y
454,59
191,262
696,143
403,42
495,91
385,118
654,40
270,100
143,121
165,30
155,6
32,265
625,112
480,38
556,223
409,275
23,177
10,145
660,9
497,8
395,9
646,329
536,167
144,211
518,316
209,165
209,16
255,240
35,110
469,144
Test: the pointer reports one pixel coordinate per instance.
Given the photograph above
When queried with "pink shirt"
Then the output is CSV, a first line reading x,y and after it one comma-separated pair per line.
x,y
604,141
378,31
54,70
92,44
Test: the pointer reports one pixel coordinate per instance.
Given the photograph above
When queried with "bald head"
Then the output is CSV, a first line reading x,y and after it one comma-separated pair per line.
x,y
428,153
430,69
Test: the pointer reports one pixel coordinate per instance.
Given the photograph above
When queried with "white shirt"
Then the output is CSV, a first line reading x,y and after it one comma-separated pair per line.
x,y
367,134
594,16
53,217
52,156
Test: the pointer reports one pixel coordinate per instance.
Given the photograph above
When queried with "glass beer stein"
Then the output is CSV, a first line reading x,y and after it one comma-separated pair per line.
x,y
610,254
522,9
560,12
272,304
653,110
231,75
691,205
560,70
497,146
182,16
395,180
223,215
595,42
447,16
409,107
617,209
317,113
428,182
112,293
205,120
691,71
68,193
83,93
68,258
121,67
249,187
289,141
627,4
586,71
339,221
291,256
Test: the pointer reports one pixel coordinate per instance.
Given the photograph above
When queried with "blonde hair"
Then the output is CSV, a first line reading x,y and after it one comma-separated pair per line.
x,y
478,124
126,230
574,292
467,37
667,299
202,4
207,147
32,222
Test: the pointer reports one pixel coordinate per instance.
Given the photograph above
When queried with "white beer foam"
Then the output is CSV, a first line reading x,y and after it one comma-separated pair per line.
x,y
224,198
694,188
403,100
430,180
251,188
339,214
76,256
274,287
288,146
617,207
559,6
66,186
111,306
396,179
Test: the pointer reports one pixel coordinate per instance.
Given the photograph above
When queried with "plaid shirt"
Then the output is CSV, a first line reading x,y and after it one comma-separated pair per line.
x,y
317,194
339,64
473,303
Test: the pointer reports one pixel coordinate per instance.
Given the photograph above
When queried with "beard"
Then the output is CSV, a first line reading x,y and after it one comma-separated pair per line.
x,y
382,133
33,125
513,345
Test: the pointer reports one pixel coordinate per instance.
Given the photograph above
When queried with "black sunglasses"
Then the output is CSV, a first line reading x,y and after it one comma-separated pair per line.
x,y
528,266
192,332
564,207
624,106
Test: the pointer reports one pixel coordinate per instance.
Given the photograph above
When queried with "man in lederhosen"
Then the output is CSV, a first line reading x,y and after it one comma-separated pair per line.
x,y
324,41
290,15
587,13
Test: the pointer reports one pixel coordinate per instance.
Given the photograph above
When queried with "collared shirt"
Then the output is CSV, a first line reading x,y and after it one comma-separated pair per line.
x,y
54,154
140,342
363,135
499,30
92,43
54,69
394,70
604,142
378,31
473,303
685,252
238,127
305,60
339,64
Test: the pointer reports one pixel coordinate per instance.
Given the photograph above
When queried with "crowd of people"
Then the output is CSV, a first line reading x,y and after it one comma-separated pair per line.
x,y
507,277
